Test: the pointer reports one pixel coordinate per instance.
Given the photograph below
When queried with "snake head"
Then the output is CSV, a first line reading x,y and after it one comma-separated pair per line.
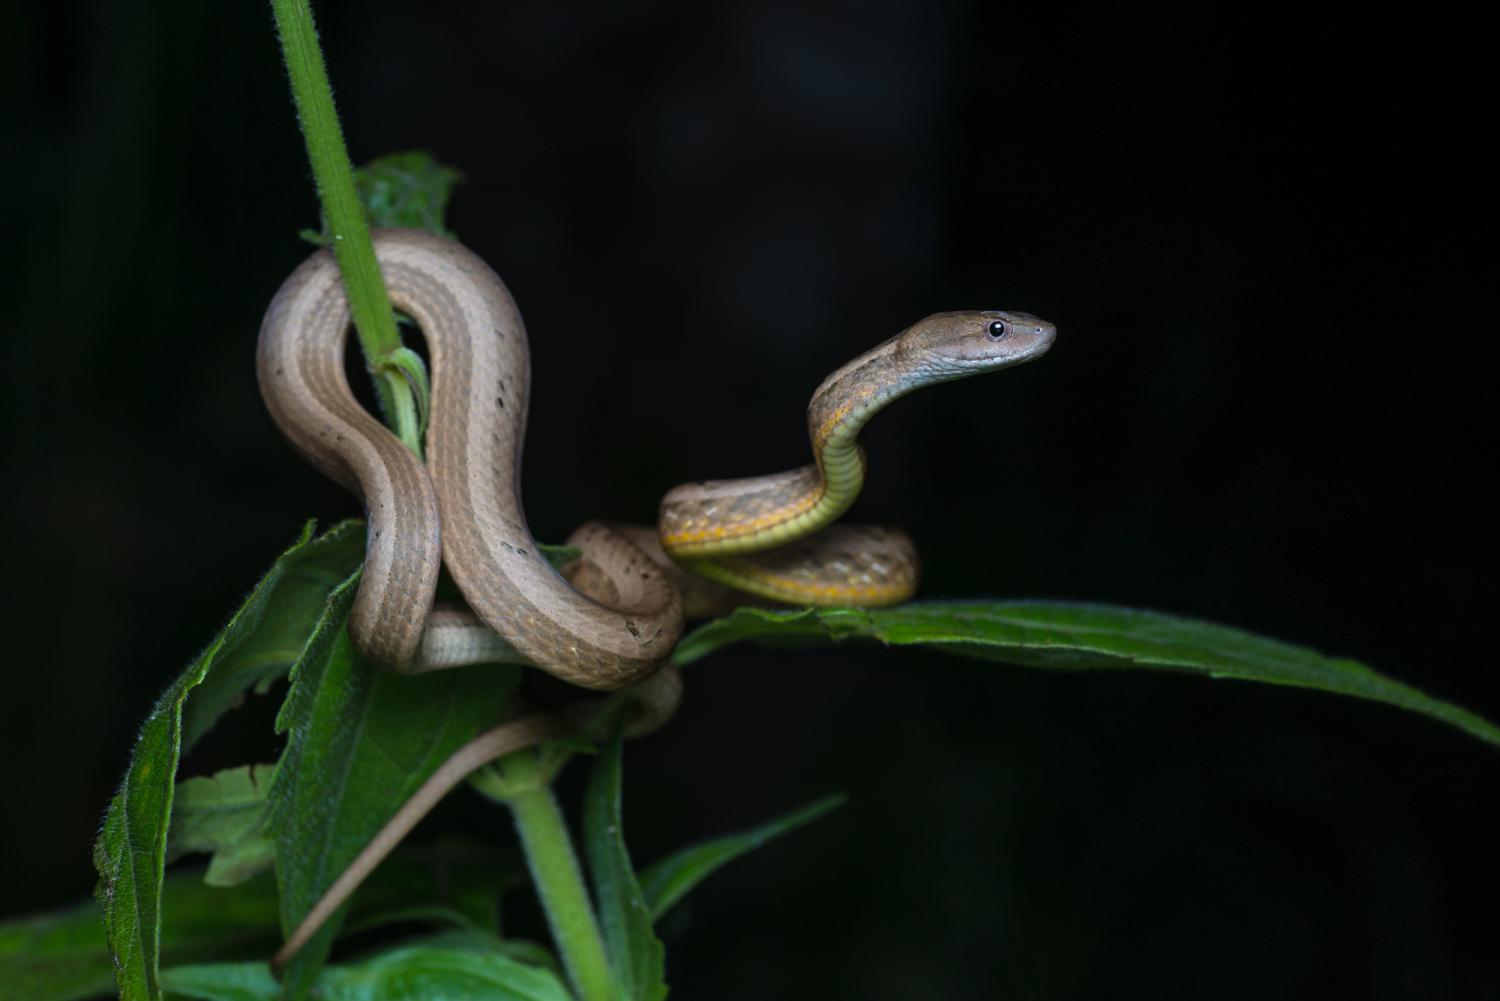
x,y
952,345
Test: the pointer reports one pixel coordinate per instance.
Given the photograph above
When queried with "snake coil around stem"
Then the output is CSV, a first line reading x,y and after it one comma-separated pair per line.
x,y
611,622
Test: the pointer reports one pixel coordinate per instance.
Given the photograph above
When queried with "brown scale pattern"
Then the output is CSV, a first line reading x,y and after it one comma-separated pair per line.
x,y
469,485
841,565
717,509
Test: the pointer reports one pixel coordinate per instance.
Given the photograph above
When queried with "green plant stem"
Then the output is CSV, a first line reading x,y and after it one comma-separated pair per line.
x,y
522,784
369,304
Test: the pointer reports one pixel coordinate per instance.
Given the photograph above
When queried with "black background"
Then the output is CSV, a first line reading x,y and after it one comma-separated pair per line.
x,y
1260,232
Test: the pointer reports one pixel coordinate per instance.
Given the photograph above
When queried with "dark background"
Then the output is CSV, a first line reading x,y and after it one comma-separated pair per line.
x,y
1260,235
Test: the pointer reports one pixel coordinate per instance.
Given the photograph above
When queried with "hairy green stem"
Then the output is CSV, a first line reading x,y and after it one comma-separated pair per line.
x,y
369,304
521,781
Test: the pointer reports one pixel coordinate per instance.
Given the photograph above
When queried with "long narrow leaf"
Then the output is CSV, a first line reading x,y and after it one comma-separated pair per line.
x,y
668,880
636,955
1063,635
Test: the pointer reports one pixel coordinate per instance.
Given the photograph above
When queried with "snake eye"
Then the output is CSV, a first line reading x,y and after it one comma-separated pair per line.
x,y
997,329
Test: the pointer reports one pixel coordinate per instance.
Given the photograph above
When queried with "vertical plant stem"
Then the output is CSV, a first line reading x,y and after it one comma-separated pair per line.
x,y
370,306
555,873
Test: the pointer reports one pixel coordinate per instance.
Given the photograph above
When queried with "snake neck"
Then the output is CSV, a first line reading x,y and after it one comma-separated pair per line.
x,y
839,410
735,517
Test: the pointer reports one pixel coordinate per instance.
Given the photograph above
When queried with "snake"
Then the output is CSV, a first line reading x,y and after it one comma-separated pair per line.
x,y
610,620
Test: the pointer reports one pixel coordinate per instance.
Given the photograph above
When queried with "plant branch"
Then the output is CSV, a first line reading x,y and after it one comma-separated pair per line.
x,y
370,306
520,781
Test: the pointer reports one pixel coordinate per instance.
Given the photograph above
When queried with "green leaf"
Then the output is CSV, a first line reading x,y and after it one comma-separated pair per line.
x,y
472,970
559,556
421,973
55,957
409,365
1069,636
282,625
223,982
360,741
65,956
201,922
224,814
454,881
409,189
129,853
667,881
636,956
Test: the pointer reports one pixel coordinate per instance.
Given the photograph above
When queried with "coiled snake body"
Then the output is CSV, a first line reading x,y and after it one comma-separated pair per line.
x,y
621,615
